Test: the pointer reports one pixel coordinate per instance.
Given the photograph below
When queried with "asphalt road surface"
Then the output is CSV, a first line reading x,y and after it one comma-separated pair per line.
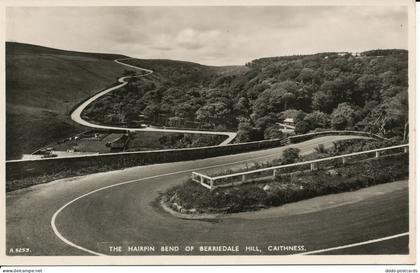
x,y
76,114
96,214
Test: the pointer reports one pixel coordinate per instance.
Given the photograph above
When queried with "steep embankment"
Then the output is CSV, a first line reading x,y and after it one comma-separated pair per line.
x,y
42,87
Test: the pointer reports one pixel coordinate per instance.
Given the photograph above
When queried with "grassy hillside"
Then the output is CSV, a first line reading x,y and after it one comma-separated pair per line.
x,y
185,73
42,86
366,91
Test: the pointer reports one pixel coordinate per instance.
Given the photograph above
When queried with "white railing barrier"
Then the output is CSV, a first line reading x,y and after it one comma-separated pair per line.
x,y
202,179
241,177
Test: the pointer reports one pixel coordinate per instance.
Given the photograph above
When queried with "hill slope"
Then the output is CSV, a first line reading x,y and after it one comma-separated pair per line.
x,y
42,86
366,91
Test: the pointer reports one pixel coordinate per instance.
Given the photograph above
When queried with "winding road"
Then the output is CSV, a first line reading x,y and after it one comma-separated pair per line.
x,y
76,114
117,212
99,213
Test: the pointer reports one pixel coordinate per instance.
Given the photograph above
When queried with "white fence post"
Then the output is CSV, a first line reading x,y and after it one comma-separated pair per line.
x,y
377,154
405,149
344,160
313,166
243,178
274,173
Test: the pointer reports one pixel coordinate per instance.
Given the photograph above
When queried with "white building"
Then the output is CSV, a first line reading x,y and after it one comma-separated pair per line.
x,y
287,126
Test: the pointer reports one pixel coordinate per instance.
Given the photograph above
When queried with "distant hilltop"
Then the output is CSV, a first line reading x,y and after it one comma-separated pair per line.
x,y
23,48
369,53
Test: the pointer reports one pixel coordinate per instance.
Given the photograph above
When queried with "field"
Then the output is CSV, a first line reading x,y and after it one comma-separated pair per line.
x,y
87,144
158,140
139,141
42,87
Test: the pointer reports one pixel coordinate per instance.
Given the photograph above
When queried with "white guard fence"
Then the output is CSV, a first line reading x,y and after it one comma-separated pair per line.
x,y
264,173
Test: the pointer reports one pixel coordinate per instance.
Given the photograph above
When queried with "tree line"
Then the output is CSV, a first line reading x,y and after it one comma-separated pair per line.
x,y
367,91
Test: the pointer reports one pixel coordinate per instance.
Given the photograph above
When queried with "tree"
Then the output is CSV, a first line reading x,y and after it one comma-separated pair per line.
x,y
127,72
306,75
262,105
244,131
323,102
374,83
344,87
279,97
343,116
339,122
318,119
186,110
273,132
368,87
266,121
214,114
389,78
153,112
287,99
243,107
291,155
302,127
130,115
247,132
289,86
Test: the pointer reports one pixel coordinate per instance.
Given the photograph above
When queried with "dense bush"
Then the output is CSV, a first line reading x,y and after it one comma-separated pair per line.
x,y
356,145
192,197
173,141
302,127
290,155
353,177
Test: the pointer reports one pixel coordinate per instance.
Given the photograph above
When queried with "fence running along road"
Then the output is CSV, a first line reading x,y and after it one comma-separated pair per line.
x,y
264,173
35,171
76,115
303,137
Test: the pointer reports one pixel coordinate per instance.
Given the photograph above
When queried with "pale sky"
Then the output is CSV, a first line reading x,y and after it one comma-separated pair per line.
x,y
210,35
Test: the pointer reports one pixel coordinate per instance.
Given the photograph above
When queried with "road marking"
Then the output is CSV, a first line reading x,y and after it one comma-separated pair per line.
x,y
62,238
68,242
355,244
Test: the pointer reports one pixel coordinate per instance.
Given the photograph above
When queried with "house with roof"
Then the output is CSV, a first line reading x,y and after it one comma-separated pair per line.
x,y
287,126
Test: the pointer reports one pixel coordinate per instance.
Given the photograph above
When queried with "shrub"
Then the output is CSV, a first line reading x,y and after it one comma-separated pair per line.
x,y
318,119
273,132
302,127
320,149
290,155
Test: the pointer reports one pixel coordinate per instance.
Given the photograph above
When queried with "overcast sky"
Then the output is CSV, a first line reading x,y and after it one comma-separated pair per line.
x,y
210,35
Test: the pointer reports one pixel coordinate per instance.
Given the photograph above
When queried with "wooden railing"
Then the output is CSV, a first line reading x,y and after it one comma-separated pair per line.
x,y
265,173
